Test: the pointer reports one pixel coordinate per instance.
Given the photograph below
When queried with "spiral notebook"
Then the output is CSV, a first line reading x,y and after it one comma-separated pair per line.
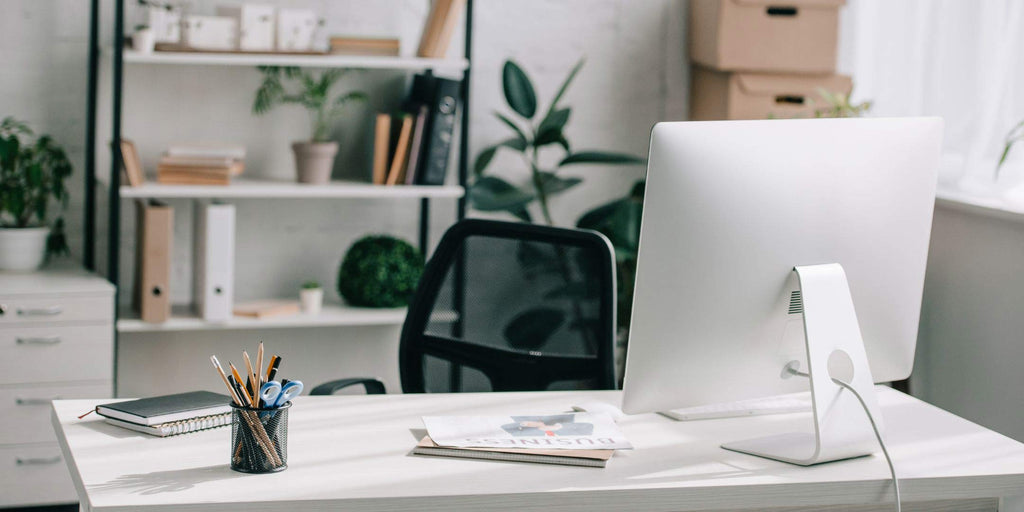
x,y
176,427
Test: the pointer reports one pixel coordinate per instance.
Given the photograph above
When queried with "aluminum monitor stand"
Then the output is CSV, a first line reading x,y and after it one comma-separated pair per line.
x,y
834,349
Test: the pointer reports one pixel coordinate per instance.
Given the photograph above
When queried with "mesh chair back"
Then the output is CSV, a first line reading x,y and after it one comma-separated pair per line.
x,y
512,307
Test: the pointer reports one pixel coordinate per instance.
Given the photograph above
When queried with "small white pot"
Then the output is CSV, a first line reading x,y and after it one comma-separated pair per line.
x,y
144,40
22,249
312,300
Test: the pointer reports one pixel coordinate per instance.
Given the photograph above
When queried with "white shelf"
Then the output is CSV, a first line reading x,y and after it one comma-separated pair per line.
x,y
242,188
332,315
269,59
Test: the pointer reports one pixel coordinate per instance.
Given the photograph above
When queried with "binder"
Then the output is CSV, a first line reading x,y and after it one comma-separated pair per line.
x,y
155,240
442,97
213,271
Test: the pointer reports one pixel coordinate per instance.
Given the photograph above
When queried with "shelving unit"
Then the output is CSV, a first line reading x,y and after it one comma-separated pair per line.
x,y
244,188
333,315
314,61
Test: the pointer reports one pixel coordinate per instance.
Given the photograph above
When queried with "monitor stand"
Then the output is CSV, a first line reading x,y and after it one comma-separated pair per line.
x,y
835,349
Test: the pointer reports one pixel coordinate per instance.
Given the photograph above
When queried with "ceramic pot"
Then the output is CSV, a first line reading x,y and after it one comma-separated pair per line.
x,y
22,249
312,300
314,161
144,40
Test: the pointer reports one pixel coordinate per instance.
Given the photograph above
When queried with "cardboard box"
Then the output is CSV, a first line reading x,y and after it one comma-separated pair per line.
x,y
720,95
256,26
795,36
210,32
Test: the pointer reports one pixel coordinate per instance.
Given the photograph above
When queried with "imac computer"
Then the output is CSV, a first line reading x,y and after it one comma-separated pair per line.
x,y
782,256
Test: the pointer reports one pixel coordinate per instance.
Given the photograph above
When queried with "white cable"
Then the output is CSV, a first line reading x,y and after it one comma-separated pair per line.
x,y
878,435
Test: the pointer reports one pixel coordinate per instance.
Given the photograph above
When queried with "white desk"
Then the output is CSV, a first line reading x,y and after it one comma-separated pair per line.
x,y
352,453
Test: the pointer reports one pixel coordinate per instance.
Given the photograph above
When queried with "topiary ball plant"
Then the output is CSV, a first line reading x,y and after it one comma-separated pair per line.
x,y
380,271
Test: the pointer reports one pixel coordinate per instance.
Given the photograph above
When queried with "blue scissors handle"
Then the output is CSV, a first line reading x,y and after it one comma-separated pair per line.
x,y
288,391
270,392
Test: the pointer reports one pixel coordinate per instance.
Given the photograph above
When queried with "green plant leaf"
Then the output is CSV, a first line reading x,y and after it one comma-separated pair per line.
x,y
554,184
513,126
551,136
485,156
518,90
522,214
601,157
531,329
489,194
555,120
565,86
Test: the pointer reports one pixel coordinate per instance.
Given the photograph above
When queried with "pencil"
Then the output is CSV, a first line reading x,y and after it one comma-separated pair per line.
x,y
273,368
231,390
270,367
250,380
259,365
238,378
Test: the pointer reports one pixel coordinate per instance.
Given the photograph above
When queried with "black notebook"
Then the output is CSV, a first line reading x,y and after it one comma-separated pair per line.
x,y
166,409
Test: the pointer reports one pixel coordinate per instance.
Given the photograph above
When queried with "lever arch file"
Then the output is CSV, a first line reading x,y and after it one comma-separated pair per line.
x,y
155,226
214,268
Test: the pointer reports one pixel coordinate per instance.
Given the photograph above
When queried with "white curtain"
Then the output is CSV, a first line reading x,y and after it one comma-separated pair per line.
x,y
962,60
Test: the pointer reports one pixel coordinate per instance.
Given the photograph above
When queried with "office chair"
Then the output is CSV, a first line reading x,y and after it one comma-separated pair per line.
x,y
505,306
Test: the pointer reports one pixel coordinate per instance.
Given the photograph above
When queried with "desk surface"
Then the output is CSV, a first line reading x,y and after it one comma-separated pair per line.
x,y
352,453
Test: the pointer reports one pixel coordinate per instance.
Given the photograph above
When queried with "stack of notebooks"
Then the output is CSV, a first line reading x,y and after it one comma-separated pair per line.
x,y
200,164
170,415
373,46
413,146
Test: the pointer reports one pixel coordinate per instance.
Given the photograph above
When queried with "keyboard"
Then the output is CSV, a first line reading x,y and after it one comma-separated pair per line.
x,y
796,402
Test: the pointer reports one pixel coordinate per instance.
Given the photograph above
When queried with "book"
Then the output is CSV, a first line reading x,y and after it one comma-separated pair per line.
x,y
379,46
381,142
440,27
416,145
586,458
174,428
168,408
213,162
132,164
266,308
401,154
207,150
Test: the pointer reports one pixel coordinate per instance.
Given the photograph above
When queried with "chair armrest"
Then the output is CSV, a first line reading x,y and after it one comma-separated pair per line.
x,y
373,386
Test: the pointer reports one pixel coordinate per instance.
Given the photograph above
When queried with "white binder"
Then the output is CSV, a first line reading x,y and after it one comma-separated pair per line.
x,y
214,268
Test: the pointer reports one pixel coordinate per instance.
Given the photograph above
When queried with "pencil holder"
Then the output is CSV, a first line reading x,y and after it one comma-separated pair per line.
x,y
259,439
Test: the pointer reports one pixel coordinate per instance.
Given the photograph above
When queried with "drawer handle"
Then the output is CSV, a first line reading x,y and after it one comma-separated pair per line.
x,y
42,340
35,401
37,461
50,311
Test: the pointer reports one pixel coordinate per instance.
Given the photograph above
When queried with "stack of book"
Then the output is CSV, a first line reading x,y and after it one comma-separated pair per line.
x,y
200,165
413,146
170,415
376,46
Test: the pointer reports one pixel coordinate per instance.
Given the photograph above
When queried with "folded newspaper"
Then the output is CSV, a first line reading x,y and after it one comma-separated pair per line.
x,y
569,431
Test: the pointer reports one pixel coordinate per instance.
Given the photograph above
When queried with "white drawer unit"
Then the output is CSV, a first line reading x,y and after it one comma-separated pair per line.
x,y
34,474
56,342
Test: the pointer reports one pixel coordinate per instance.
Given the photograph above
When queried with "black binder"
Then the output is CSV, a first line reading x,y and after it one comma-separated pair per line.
x,y
442,97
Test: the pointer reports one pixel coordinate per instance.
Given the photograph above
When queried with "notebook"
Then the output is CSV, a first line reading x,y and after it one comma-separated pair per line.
x,y
586,458
166,409
176,427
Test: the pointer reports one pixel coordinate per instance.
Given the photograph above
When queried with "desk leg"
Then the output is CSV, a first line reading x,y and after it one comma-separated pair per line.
x,y
1012,504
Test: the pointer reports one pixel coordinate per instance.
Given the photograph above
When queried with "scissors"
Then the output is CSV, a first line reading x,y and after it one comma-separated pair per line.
x,y
274,394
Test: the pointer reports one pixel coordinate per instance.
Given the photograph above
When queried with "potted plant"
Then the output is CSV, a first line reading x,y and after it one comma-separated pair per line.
x,y
144,39
314,158
1015,135
32,174
529,136
311,297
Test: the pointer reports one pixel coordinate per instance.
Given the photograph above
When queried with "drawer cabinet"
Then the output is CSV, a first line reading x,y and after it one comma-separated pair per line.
x,y
56,341
34,475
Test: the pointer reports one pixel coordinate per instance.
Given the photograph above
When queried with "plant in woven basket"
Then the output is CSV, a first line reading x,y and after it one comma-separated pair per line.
x,y
380,271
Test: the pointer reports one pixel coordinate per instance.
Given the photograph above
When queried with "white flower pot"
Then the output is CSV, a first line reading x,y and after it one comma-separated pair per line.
x,y
314,161
144,40
22,249
312,300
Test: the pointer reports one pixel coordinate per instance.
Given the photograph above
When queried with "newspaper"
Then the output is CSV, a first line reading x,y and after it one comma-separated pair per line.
x,y
569,431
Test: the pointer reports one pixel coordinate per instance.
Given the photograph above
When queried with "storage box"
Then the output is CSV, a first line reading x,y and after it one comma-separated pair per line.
x,y
295,30
166,24
256,26
797,36
210,32
718,95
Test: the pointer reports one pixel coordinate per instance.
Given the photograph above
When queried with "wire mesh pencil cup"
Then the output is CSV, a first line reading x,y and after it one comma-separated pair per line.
x,y
259,439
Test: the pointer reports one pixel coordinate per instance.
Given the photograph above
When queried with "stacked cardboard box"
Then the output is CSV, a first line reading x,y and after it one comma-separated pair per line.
x,y
758,59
